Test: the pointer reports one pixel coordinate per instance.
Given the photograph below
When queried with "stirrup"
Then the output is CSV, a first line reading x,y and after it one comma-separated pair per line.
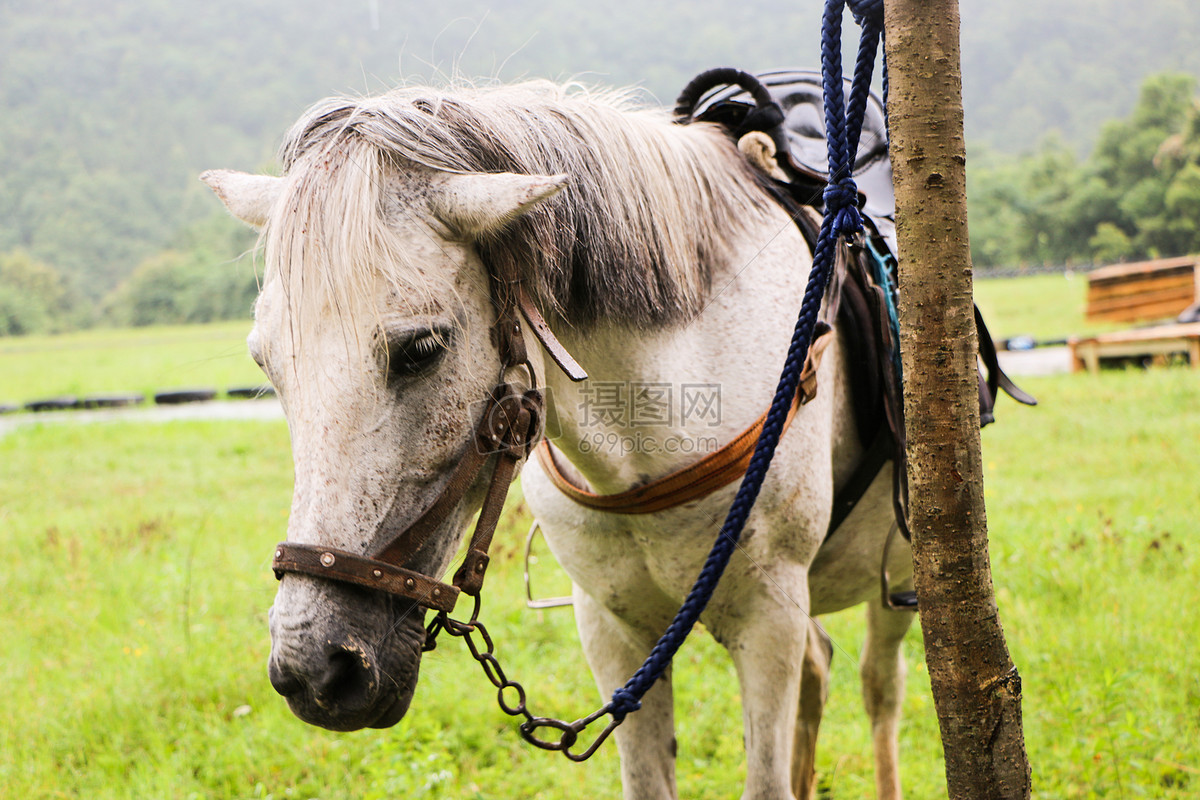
x,y
547,602
896,601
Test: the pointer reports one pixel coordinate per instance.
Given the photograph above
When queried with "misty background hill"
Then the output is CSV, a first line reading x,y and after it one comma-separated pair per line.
x,y
112,108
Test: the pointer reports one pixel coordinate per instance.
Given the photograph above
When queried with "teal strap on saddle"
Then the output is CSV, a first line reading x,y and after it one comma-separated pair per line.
x,y
885,270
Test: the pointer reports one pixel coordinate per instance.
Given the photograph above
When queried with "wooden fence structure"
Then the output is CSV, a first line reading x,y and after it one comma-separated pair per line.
x,y
1147,290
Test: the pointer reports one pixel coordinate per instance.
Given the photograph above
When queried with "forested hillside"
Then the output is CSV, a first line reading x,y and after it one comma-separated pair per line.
x,y
113,107
1035,66
1136,195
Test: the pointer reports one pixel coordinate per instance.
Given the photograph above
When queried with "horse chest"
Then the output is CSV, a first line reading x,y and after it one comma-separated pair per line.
x,y
641,567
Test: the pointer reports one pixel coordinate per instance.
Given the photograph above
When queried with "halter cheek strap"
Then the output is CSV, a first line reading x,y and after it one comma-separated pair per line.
x,y
549,341
504,435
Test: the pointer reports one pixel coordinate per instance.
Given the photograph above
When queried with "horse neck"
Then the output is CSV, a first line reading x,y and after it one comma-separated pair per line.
x,y
656,400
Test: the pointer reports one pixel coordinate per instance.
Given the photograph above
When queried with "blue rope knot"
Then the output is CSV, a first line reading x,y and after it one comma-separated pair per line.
x,y
841,202
865,11
623,702
840,194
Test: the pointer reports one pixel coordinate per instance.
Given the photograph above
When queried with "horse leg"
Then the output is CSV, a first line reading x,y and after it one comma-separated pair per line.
x,y
814,690
767,640
883,669
646,739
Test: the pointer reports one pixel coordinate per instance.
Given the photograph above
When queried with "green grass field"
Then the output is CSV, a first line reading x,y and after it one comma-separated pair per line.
x,y
137,581
141,360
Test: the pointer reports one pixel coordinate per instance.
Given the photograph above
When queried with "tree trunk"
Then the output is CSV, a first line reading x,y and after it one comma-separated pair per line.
x,y
976,688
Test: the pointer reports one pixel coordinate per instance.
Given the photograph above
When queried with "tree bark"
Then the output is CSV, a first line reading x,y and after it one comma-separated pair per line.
x,y
976,687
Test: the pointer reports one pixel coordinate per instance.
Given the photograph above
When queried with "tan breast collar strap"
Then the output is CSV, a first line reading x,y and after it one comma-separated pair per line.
x,y
710,473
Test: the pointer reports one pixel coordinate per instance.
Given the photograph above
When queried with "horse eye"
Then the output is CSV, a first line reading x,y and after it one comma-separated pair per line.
x,y
414,353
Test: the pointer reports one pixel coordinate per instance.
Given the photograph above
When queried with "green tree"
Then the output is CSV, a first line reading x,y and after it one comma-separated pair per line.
x,y
996,189
1136,196
1023,209
1127,161
21,313
33,296
1110,244
206,275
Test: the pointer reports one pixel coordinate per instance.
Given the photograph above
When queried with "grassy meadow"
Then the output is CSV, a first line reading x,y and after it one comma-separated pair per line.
x,y
136,584
1048,307
124,360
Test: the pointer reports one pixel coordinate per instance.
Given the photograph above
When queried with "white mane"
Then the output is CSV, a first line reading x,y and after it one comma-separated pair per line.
x,y
650,206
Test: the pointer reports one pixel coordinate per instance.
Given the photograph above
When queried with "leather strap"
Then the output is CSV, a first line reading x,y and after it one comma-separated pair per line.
x,y
693,482
870,463
996,379
338,565
504,434
541,330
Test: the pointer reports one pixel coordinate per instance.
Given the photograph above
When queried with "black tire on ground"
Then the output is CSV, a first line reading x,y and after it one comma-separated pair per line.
x,y
177,396
112,400
53,404
251,392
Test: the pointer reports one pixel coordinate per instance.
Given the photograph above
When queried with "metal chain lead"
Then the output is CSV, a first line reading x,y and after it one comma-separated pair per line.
x,y
568,732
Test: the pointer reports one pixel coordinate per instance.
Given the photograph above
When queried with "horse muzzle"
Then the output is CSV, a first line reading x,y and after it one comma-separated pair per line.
x,y
342,680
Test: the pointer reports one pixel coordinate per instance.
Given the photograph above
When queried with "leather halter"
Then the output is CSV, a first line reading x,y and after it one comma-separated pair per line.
x,y
507,429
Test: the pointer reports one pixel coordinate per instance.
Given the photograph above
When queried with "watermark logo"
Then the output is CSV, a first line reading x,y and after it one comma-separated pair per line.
x,y
638,408
634,404
640,442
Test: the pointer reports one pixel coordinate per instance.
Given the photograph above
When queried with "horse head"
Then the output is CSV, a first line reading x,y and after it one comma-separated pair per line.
x,y
375,325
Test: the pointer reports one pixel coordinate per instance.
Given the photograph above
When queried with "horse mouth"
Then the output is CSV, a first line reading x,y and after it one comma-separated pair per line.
x,y
394,713
343,686
384,713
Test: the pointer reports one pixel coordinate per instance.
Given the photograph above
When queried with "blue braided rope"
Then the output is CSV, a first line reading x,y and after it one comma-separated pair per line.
x,y
843,126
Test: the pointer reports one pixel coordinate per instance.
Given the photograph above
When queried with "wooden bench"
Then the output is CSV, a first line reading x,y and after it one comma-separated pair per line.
x,y
1143,291
1160,341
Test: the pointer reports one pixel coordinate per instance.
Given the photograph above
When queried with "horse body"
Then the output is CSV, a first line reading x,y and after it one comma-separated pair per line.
x,y
631,572
664,268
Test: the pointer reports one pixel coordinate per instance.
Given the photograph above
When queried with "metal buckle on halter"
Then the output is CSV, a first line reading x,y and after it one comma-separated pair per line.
x,y
502,428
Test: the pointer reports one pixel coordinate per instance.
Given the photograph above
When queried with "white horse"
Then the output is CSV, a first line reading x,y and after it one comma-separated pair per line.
x,y
673,277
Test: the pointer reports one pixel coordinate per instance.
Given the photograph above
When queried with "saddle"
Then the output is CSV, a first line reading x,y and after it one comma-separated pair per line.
x,y
786,106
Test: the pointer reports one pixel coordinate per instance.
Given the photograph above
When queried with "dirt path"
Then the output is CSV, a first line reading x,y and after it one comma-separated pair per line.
x,y
1039,361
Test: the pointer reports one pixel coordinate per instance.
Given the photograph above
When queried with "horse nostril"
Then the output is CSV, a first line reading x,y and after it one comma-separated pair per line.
x,y
285,681
348,682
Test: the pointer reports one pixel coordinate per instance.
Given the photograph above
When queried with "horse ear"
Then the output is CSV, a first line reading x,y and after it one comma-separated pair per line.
x,y
481,203
248,197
